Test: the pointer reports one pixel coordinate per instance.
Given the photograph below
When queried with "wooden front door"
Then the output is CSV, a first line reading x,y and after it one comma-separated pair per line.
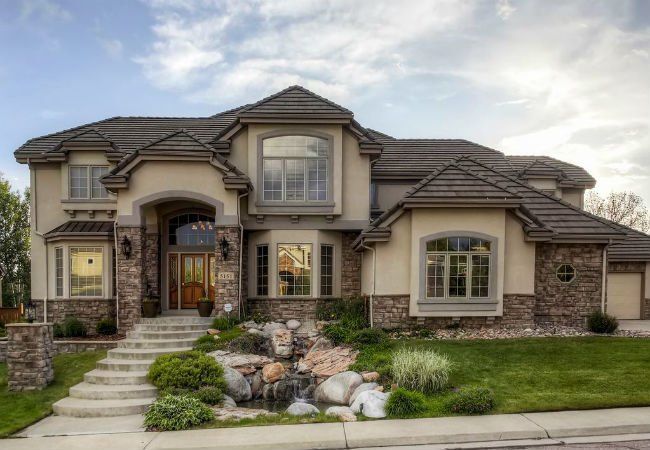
x,y
193,271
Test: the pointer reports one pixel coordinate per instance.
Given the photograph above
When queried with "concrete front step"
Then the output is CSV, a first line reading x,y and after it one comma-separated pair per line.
x,y
124,365
155,343
172,327
90,391
114,377
149,335
78,407
142,353
177,320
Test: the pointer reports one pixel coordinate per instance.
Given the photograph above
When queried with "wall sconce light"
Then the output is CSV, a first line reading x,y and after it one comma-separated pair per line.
x,y
126,247
224,245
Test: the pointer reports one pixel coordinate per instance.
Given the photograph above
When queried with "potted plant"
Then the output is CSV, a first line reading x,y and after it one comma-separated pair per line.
x,y
150,307
205,307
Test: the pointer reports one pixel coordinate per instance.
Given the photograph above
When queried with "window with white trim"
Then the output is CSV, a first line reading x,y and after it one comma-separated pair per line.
x,y
458,267
85,184
58,269
295,169
294,270
326,270
86,271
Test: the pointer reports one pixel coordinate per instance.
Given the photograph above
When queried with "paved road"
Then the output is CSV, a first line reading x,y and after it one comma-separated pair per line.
x,y
630,445
612,445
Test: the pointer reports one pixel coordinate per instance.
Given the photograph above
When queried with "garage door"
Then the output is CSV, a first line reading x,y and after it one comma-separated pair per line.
x,y
624,295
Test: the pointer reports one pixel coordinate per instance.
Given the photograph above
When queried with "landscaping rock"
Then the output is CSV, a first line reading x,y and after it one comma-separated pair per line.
x,y
371,404
293,324
272,372
362,388
236,385
267,392
282,343
244,363
234,413
248,325
256,332
283,390
379,388
270,327
256,383
344,413
213,331
338,388
370,376
302,409
321,343
327,362
228,401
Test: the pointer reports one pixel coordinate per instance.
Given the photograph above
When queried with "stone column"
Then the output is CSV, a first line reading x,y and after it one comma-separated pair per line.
x,y
152,263
227,276
131,284
30,349
350,267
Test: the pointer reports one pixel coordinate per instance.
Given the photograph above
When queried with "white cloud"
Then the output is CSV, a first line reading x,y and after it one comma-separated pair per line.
x,y
43,9
504,9
112,47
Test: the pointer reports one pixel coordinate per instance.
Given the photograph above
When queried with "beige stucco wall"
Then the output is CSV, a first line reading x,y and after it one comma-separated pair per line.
x,y
393,259
388,194
542,183
274,237
574,196
519,274
647,280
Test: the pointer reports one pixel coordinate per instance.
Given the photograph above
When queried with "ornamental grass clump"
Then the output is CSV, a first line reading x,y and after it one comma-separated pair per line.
x,y
177,412
472,400
403,403
420,370
600,322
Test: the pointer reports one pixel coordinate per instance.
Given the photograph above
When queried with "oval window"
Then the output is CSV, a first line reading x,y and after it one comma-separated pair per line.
x,y
566,273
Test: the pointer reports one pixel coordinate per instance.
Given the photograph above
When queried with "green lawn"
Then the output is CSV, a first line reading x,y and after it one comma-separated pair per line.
x,y
20,409
543,374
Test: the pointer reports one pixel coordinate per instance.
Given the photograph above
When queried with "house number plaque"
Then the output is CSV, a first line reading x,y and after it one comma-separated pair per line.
x,y
226,275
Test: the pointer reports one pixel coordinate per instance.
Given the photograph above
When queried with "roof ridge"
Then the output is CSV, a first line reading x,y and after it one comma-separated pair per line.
x,y
290,88
231,110
174,133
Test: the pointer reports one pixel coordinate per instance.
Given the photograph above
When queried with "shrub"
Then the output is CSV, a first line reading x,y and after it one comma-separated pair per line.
x,y
209,395
247,343
224,323
369,336
106,327
471,400
600,322
403,403
186,370
258,317
73,327
421,370
177,412
350,312
336,333
206,344
58,330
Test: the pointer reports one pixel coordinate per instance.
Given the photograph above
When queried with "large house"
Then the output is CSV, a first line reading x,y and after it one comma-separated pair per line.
x,y
281,204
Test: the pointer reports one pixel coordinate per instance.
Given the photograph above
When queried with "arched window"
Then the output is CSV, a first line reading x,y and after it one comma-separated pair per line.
x,y
458,267
295,169
191,229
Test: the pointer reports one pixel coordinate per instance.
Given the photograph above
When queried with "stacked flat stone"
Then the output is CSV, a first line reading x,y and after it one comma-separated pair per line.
x,y
30,350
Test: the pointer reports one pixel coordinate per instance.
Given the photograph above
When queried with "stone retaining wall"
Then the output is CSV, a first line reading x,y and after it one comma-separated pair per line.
x,y
568,304
66,347
392,312
88,310
30,350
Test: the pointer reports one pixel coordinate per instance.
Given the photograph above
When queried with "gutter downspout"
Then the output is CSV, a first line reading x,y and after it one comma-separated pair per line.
x,y
603,294
241,253
374,277
36,232
117,291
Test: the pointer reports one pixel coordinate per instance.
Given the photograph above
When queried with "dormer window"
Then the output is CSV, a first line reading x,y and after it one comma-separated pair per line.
x,y
85,184
295,169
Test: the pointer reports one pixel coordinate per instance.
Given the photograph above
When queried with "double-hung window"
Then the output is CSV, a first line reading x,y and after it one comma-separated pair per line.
x,y
85,184
86,271
326,270
58,269
458,268
295,169
262,270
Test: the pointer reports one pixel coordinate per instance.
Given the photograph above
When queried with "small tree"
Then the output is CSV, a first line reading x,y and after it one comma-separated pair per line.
x,y
626,208
14,244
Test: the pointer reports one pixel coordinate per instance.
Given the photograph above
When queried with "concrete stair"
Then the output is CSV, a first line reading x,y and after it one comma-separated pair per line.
x,y
119,385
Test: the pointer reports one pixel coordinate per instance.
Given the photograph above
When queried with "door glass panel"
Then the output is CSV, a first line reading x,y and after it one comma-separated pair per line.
x,y
212,269
173,271
457,275
198,275
187,277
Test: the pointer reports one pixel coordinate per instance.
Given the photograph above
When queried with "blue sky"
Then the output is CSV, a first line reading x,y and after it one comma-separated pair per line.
x,y
568,79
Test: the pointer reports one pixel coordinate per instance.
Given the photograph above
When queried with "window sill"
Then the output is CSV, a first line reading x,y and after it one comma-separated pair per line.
x,y
88,200
293,208
443,305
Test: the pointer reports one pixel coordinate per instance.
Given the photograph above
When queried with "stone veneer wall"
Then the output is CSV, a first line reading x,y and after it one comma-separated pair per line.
x,y
637,267
392,311
350,266
244,275
152,263
227,291
130,277
3,349
88,310
276,308
567,304
30,350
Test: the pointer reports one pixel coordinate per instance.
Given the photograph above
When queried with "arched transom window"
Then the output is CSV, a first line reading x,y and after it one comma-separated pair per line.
x,y
295,169
191,229
458,267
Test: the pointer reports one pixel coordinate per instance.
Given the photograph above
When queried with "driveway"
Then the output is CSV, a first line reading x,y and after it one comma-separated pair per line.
x,y
634,325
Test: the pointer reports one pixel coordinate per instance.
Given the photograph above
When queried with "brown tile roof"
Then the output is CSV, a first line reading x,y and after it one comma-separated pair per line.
x,y
87,227
636,247
545,165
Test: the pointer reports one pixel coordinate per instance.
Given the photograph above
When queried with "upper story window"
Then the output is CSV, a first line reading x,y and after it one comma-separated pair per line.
x,y
84,182
191,229
458,267
295,169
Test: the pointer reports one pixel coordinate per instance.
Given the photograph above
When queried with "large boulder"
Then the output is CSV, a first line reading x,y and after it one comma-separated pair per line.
x,y
362,387
302,409
338,388
272,372
236,385
293,324
344,413
256,383
283,390
270,327
282,343
325,363
370,404
244,363
228,402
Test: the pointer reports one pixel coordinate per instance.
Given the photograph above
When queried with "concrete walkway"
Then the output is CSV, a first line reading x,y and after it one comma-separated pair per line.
x,y
503,428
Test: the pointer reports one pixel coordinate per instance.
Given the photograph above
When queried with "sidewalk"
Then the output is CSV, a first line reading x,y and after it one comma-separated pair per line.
x,y
533,427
